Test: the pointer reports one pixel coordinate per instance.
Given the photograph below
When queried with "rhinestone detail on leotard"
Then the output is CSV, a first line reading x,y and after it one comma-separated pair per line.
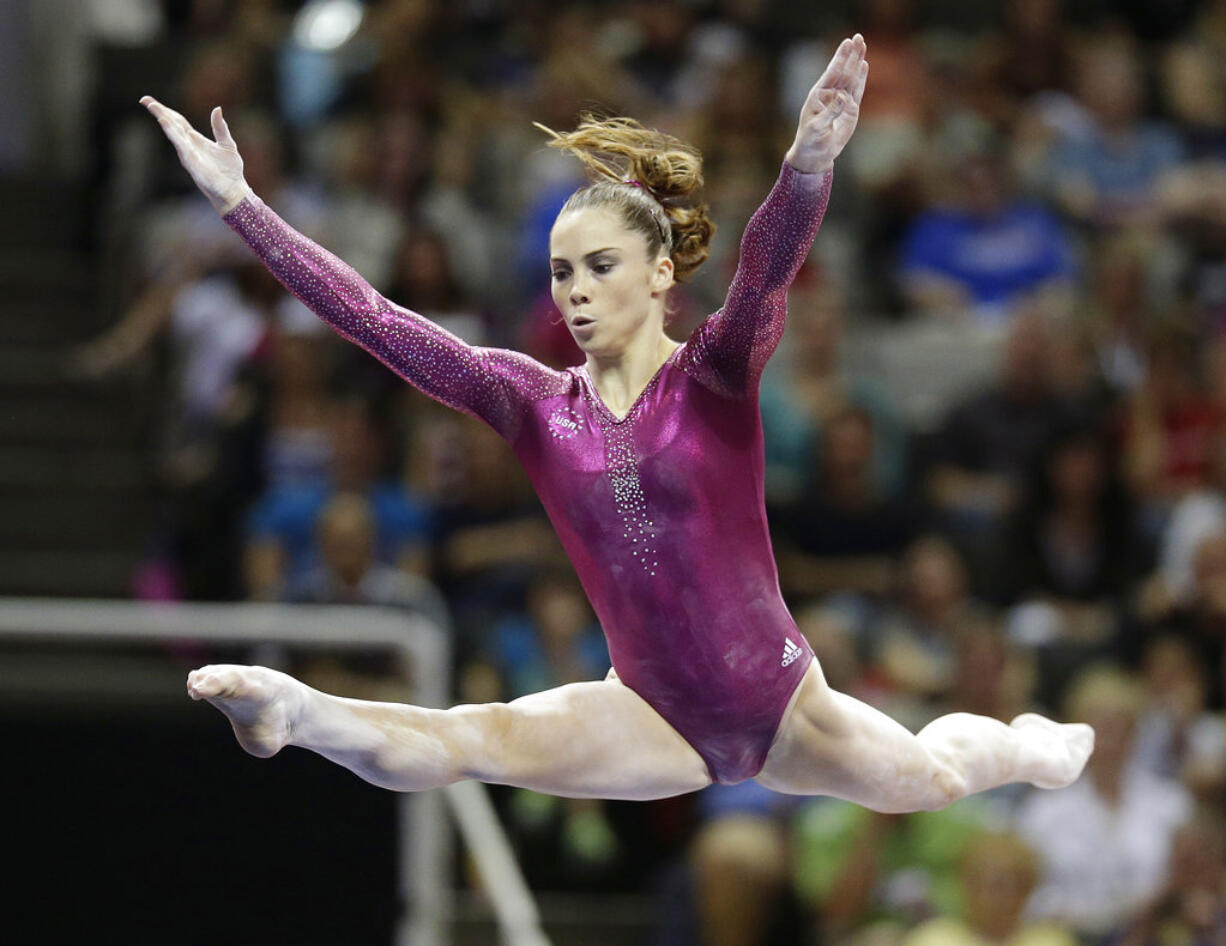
x,y
623,470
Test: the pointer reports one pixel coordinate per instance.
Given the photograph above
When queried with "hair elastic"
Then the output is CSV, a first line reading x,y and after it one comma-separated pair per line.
x,y
634,182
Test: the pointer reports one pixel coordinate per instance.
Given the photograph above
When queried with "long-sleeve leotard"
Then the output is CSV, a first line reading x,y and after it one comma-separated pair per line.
x,y
661,510
730,348
494,384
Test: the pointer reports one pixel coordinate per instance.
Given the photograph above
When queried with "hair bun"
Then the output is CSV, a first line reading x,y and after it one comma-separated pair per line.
x,y
620,150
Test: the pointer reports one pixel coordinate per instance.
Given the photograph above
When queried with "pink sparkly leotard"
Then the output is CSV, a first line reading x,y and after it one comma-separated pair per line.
x,y
661,511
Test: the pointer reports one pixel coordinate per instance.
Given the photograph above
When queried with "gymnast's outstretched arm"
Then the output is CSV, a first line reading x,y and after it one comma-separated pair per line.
x,y
493,384
731,347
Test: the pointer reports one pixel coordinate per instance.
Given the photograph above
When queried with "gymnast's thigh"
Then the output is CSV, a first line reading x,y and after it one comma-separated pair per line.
x,y
591,740
830,743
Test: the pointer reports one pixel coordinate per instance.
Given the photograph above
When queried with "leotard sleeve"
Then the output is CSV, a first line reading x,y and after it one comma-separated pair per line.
x,y
728,351
493,384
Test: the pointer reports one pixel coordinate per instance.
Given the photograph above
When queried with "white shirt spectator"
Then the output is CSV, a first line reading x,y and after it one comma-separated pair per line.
x,y
215,330
1197,516
1101,862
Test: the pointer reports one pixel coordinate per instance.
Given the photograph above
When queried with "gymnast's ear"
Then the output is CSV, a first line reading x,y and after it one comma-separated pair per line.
x,y
663,277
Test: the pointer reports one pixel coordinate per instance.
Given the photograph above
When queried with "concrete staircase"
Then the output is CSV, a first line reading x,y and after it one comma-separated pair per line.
x,y
75,472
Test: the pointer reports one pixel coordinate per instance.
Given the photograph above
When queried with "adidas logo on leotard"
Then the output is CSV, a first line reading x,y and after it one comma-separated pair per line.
x,y
790,652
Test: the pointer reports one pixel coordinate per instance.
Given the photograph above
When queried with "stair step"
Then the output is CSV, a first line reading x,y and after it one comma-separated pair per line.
x,y
23,367
100,417
41,272
29,371
50,321
73,519
96,468
42,213
85,573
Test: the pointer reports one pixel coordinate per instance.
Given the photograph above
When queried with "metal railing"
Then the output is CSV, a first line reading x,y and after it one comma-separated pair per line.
x,y
423,840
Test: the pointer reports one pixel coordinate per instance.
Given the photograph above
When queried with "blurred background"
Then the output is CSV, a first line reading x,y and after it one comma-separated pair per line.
x,y
995,436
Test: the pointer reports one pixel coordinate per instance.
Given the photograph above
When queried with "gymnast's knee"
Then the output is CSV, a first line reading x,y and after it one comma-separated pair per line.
x,y
483,739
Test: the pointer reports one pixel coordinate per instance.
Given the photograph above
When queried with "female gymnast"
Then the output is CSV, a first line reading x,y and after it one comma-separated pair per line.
x,y
648,459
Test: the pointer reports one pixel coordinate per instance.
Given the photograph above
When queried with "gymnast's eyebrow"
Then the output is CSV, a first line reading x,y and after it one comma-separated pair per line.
x,y
563,259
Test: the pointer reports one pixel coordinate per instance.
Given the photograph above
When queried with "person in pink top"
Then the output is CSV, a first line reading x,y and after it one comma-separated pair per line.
x,y
648,459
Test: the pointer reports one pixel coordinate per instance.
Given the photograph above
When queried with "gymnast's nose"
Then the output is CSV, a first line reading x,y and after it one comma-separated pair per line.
x,y
579,293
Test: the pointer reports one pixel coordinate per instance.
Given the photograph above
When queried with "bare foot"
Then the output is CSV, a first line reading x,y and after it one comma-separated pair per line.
x,y
1061,749
261,704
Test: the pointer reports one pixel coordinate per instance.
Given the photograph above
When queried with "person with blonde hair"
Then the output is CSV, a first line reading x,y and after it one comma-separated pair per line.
x,y
998,873
1105,843
648,459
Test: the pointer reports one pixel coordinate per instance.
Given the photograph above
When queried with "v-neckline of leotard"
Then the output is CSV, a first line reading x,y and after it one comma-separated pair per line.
x,y
604,408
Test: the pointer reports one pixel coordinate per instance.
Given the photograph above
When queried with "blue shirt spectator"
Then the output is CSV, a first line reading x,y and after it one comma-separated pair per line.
x,y
993,258
288,515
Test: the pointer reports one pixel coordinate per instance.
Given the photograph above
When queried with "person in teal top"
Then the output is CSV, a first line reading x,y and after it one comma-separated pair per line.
x,y
799,395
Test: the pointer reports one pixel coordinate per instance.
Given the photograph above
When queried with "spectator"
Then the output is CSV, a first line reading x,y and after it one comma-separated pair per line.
x,y
554,640
1198,514
1105,841
282,542
364,229
805,386
842,534
1201,617
1191,907
424,282
1171,423
889,122
989,441
1177,736
1120,301
1032,55
739,859
868,877
348,573
998,873
988,252
298,438
1109,175
914,642
491,535
1071,543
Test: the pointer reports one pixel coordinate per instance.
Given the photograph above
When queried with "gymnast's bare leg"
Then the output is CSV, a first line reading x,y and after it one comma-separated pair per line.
x,y
583,740
832,744
601,740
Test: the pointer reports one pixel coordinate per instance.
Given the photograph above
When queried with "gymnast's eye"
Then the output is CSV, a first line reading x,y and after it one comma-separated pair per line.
x,y
560,274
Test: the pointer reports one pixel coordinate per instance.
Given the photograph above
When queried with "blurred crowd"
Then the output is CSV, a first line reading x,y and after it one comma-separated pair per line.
x,y
995,429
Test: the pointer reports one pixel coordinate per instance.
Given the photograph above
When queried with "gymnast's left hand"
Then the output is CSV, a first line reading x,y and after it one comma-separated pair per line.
x,y
831,109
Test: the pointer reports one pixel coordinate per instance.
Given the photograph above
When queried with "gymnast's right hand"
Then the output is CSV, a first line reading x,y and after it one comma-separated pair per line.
x,y
215,166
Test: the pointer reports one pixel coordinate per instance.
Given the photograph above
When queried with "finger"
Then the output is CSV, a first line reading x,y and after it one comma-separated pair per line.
x,y
165,117
168,116
221,131
857,89
835,66
842,71
849,62
852,65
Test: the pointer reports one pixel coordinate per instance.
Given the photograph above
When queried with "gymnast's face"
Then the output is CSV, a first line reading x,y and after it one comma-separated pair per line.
x,y
604,283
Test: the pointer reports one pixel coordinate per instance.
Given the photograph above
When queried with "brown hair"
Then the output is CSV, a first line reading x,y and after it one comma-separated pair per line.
x,y
614,150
